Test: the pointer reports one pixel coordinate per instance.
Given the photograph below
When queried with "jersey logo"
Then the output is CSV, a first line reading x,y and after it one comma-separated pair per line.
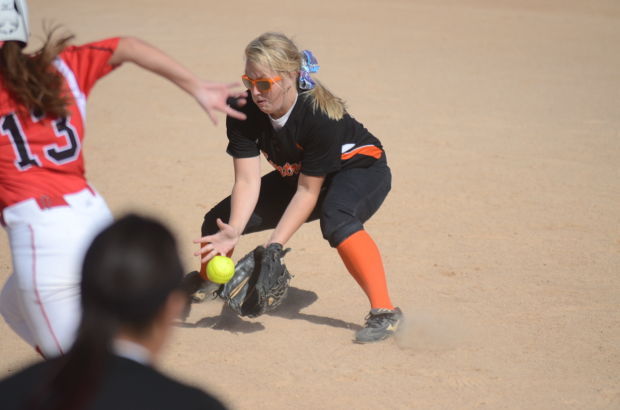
x,y
287,170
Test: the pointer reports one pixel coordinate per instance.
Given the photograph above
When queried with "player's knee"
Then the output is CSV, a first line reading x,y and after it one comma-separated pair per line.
x,y
336,226
50,348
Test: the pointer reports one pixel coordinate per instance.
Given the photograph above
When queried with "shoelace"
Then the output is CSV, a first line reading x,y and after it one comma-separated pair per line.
x,y
377,320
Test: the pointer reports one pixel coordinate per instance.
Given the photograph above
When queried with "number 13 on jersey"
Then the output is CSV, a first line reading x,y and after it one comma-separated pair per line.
x,y
59,154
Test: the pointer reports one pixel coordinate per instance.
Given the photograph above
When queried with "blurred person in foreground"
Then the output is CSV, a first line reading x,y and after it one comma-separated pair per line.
x,y
131,297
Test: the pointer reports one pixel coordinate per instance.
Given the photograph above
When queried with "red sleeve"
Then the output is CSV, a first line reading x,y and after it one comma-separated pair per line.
x,y
89,62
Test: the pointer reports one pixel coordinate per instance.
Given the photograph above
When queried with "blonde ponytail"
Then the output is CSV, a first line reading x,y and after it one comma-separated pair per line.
x,y
332,106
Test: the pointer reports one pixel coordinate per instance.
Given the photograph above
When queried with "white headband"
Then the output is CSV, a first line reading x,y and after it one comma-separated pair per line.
x,y
14,21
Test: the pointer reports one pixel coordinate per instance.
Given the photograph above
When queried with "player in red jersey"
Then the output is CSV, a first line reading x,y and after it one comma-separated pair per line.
x,y
48,208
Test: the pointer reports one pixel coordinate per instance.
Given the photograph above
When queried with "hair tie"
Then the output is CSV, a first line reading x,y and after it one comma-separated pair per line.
x,y
309,64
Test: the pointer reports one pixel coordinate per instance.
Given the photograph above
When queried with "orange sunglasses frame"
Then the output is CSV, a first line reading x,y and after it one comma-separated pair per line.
x,y
249,83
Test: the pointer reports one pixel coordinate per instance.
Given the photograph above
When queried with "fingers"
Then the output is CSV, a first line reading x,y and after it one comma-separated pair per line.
x,y
212,117
225,228
206,258
227,109
208,249
241,101
220,97
207,252
236,100
204,250
239,96
233,90
234,113
220,223
234,84
204,239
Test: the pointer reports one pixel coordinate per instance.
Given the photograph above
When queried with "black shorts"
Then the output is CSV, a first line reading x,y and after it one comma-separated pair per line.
x,y
347,200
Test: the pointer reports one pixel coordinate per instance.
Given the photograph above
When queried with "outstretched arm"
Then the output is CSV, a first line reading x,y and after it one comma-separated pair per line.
x,y
242,203
211,96
299,209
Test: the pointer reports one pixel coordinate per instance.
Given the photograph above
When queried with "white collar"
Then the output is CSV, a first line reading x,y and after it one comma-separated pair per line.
x,y
278,123
132,351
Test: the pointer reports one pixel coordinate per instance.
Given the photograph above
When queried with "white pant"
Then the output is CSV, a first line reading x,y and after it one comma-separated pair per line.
x,y
41,299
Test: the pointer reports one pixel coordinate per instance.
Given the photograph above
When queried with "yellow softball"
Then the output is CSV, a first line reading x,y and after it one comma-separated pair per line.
x,y
220,269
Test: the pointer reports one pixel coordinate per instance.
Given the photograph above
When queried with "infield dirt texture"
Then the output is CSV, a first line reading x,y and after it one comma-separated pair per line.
x,y
501,236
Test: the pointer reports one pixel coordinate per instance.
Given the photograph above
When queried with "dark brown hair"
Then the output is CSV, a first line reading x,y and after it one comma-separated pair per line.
x,y
30,78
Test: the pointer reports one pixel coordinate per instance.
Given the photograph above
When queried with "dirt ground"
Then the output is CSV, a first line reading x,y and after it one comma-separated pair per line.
x,y
501,236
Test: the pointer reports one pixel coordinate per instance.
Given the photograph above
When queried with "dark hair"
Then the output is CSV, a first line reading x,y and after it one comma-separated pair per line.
x,y
30,79
129,271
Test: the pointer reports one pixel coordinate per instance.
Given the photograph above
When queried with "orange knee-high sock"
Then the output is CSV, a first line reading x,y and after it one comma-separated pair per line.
x,y
363,261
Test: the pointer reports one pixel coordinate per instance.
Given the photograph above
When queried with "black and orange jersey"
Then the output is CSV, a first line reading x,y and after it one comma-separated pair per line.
x,y
310,142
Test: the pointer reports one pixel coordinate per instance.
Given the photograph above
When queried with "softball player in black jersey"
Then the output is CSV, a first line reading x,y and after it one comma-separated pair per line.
x,y
327,167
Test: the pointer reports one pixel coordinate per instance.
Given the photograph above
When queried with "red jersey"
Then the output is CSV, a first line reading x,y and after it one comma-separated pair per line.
x,y
41,156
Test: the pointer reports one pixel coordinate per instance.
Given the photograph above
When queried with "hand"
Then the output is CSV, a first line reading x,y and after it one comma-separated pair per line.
x,y
214,97
220,243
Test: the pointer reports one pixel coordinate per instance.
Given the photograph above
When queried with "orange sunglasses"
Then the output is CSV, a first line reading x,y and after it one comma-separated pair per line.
x,y
261,84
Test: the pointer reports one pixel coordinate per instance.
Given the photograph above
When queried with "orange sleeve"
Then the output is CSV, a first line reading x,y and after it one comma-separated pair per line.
x,y
89,62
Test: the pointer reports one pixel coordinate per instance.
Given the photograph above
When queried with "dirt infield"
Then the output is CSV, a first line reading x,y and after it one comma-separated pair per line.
x,y
501,235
